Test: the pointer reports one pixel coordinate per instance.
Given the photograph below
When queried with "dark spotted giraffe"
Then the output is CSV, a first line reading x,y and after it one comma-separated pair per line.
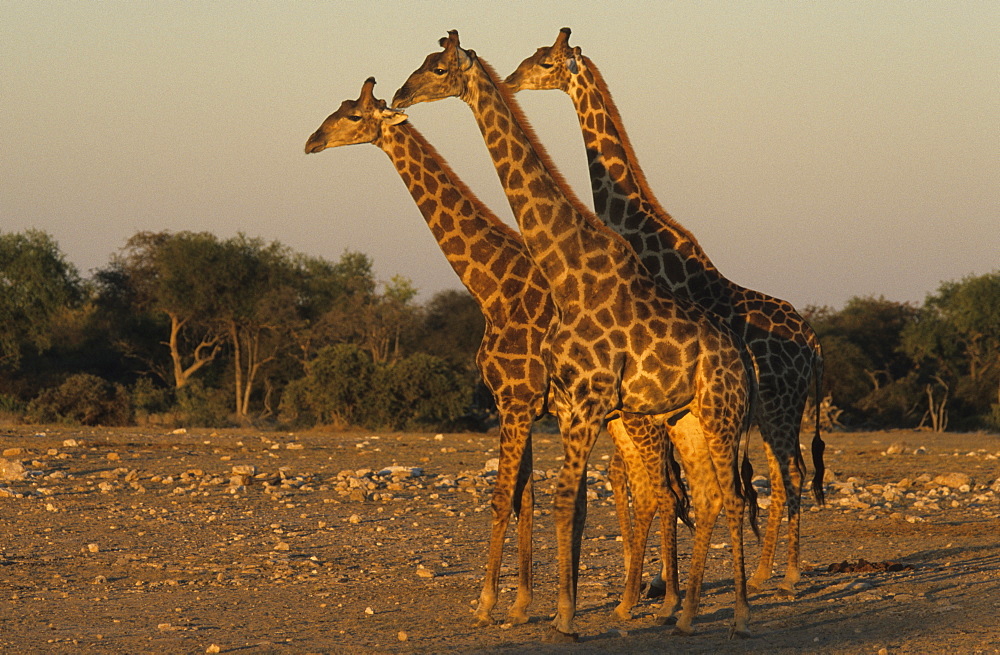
x,y
617,342
785,347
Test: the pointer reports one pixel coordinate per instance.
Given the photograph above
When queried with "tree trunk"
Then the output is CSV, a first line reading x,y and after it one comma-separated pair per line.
x,y
234,336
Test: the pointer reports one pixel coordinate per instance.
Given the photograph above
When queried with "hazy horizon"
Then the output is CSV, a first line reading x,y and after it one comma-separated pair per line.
x,y
817,151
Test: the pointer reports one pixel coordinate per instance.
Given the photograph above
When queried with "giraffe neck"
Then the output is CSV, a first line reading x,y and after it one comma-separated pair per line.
x,y
623,199
568,244
478,245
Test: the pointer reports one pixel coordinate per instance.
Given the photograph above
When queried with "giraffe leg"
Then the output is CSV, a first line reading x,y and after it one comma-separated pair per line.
x,y
689,441
580,434
723,449
525,492
706,511
619,489
735,506
774,514
793,485
672,498
513,438
644,506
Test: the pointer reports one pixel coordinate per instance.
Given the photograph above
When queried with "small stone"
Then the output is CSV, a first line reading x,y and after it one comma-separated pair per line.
x,y
895,449
94,548
214,648
369,611
355,519
953,480
424,573
11,470
402,636
281,545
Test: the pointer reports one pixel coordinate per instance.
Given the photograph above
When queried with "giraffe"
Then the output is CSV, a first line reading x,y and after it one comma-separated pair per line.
x,y
785,347
617,342
492,262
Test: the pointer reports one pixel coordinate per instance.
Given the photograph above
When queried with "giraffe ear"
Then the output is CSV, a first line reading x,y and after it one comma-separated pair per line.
x,y
465,58
572,65
393,116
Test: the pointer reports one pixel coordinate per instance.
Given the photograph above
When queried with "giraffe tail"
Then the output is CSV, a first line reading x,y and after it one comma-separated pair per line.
x,y
749,492
818,446
746,468
678,489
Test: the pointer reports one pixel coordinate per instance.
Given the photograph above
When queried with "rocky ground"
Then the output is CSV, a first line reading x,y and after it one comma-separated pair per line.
x,y
239,541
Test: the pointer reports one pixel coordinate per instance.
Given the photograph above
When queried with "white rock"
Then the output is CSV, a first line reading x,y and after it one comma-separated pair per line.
x,y
11,470
953,480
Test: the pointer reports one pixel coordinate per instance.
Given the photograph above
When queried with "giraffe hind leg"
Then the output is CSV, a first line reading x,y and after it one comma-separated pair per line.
x,y
524,496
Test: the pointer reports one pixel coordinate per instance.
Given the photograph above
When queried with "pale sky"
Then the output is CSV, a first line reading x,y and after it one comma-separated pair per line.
x,y
818,151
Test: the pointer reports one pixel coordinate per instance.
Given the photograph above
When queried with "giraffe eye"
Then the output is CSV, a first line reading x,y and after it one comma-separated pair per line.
x,y
440,71
546,65
353,118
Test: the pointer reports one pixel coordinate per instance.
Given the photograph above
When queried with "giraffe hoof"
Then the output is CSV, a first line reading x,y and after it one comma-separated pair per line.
x,y
753,588
783,593
482,621
556,636
681,632
664,620
621,614
517,618
742,634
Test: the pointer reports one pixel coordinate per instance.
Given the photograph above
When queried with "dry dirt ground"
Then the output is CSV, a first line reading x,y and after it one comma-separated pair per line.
x,y
239,541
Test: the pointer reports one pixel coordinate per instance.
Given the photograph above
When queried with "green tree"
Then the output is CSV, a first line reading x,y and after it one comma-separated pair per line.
x,y
865,369
452,329
257,301
956,341
332,296
164,282
37,286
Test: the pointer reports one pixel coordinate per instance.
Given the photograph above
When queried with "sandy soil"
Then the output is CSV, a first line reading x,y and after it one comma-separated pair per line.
x,y
236,541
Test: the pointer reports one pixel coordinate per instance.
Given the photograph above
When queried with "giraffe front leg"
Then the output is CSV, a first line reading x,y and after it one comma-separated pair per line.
x,y
667,613
570,515
512,447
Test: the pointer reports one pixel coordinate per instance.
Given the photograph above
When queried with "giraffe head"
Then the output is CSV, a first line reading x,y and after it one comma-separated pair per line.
x,y
442,75
357,121
551,67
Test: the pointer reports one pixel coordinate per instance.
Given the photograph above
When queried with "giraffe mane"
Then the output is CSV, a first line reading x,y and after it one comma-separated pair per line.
x,y
477,204
540,151
633,161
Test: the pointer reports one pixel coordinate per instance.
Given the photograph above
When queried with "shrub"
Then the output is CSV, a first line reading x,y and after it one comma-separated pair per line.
x,y
83,399
424,392
336,390
203,407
